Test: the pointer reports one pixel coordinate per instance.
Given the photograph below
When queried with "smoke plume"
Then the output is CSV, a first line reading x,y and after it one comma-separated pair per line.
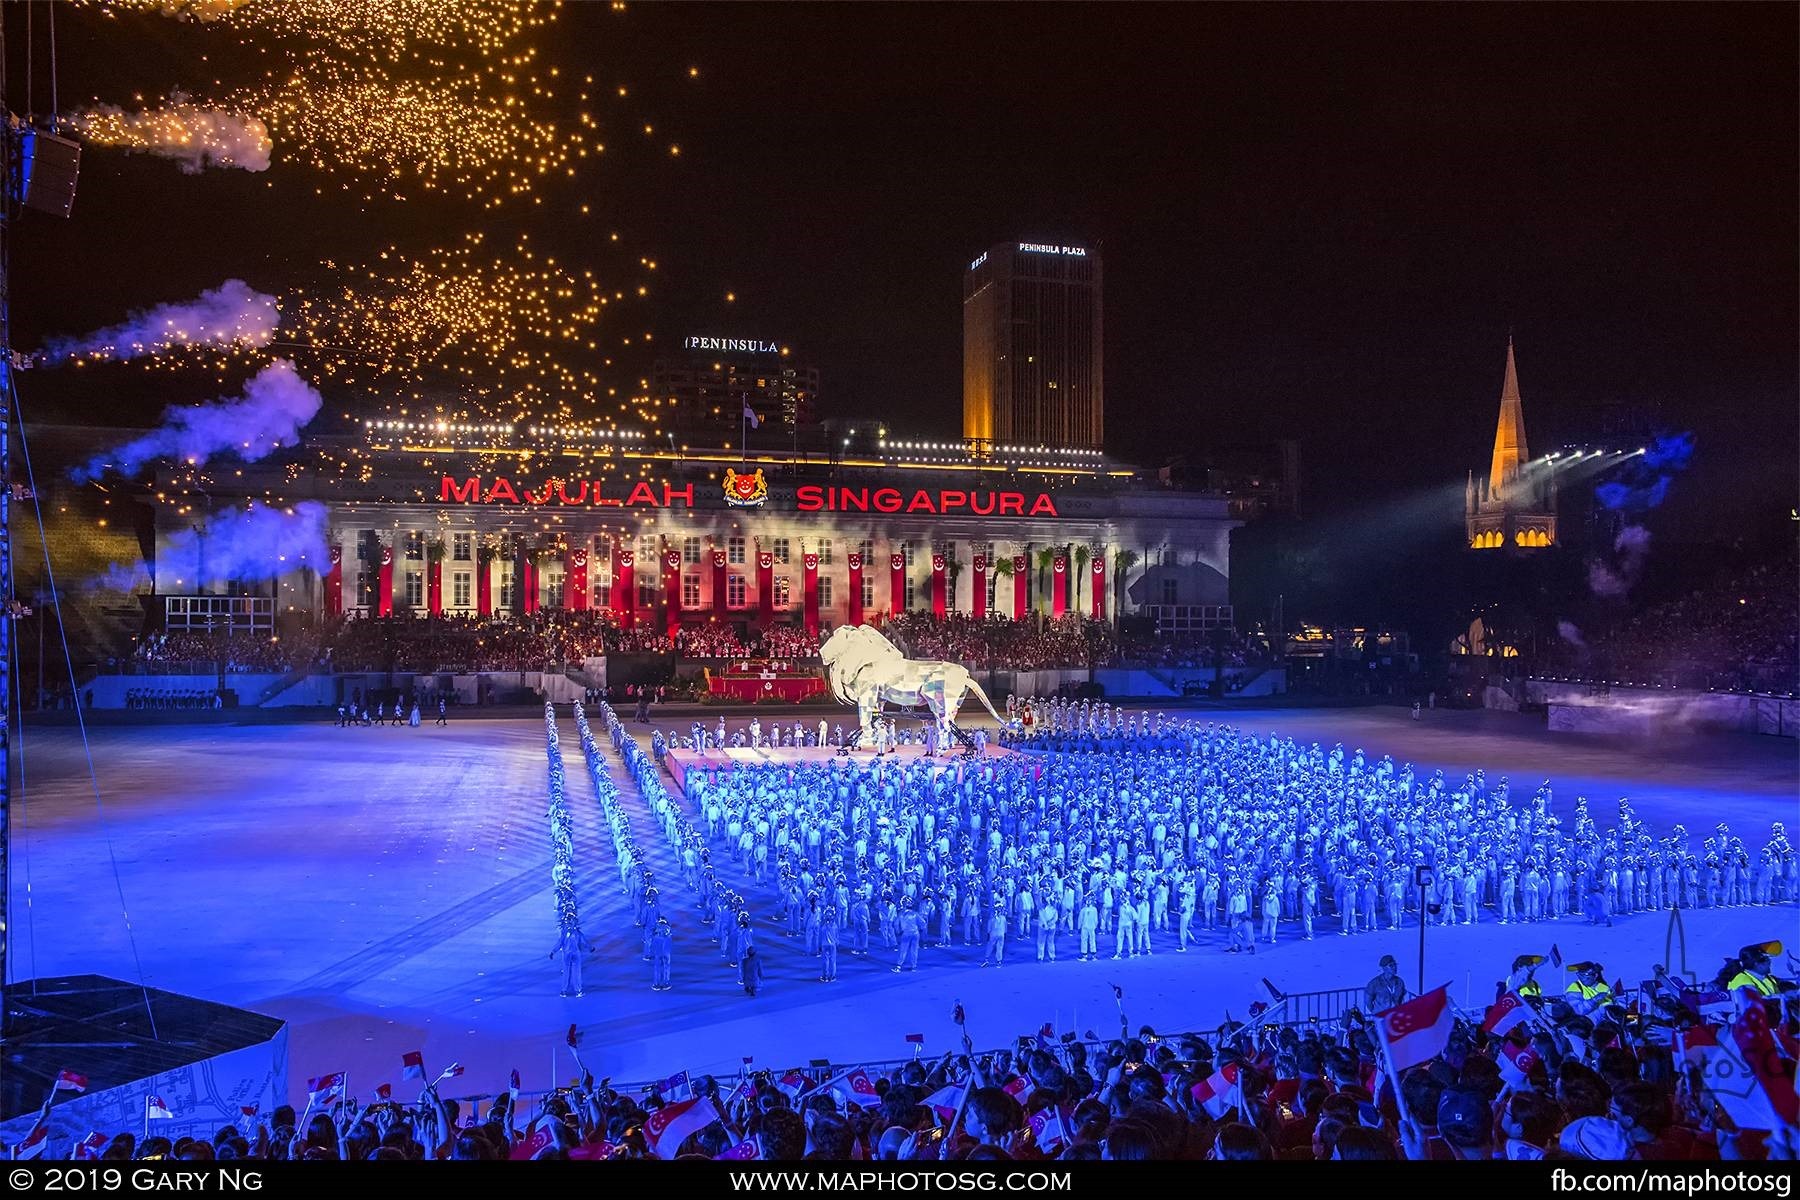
x,y
192,135
231,315
244,547
1569,633
275,404
1630,550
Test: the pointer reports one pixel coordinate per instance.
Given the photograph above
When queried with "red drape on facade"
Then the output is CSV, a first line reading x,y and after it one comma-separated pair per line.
x,y
484,586
528,581
978,596
719,594
334,583
938,578
434,587
624,588
853,602
1059,584
765,587
384,584
672,590
1020,582
575,581
809,605
1098,581
896,584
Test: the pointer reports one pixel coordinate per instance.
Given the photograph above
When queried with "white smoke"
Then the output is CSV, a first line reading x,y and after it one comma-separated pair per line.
x,y
1569,633
193,135
245,547
1630,551
275,405
230,315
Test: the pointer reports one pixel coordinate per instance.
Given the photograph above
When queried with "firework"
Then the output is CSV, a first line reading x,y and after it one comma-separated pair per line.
x,y
487,27
503,324
459,133
193,135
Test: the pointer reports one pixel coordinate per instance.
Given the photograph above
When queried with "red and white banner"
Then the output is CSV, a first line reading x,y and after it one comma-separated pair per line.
x,y
528,582
896,584
72,1080
1417,1031
939,576
1059,584
944,1102
853,601
978,597
575,579
765,587
1743,1071
719,592
434,587
334,583
484,586
1097,581
672,591
669,1126
1021,581
384,584
624,588
809,606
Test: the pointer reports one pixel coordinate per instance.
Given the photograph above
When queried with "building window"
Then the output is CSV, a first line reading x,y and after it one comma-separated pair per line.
x,y
365,589
647,550
1170,559
553,587
781,591
868,593
780,550
867,549
690,551
909,594
646,593
734,590
603,549
506,588
824,552
365,546
462,547
460,583
415,588
906,548
603,596
415,546
824,591
1168,591
690,590
734,551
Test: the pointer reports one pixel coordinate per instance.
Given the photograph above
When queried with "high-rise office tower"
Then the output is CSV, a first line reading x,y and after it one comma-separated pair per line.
x,y
1031,347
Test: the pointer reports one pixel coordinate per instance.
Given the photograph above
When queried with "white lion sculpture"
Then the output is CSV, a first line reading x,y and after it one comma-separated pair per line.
x,y
867,670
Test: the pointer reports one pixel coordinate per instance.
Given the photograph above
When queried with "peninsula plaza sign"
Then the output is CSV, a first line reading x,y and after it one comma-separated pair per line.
x,y
731,345
808,498
1067,251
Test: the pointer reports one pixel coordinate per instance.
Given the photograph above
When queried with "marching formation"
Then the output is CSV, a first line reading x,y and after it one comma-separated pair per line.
x,y
1116,835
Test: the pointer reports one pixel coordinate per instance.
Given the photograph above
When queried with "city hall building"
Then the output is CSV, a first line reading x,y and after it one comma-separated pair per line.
x,y
440,519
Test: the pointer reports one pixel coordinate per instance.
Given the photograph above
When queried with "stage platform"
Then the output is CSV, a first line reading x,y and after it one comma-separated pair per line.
x,y
679,762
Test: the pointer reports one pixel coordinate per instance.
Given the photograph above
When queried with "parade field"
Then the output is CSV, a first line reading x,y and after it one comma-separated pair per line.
x,y
388,890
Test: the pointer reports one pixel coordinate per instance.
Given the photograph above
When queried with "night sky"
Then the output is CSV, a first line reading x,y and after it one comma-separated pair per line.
x,y
1317,222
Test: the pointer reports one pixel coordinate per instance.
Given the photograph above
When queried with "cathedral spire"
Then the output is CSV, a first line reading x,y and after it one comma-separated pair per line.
x,y
1510,452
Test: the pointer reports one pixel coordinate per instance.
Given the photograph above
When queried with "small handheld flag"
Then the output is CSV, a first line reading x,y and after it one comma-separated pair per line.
x,y
156,1110
70,1080
412,1065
